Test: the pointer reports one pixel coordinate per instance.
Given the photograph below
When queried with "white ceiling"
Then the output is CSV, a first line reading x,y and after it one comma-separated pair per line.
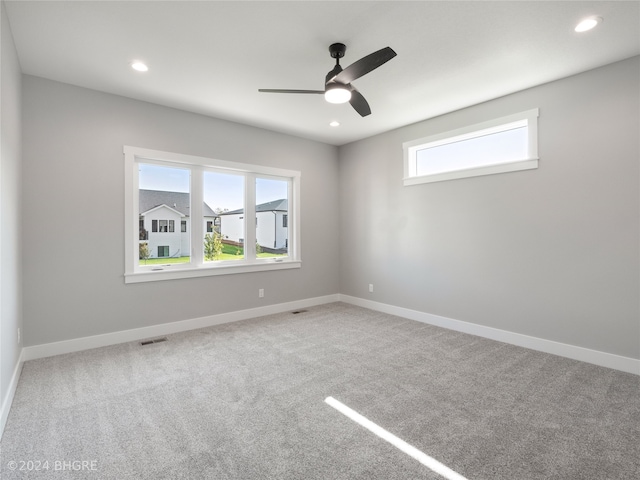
x,y
211,57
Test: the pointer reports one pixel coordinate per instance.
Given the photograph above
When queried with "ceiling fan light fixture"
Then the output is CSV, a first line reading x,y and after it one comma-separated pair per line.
x,y
336,93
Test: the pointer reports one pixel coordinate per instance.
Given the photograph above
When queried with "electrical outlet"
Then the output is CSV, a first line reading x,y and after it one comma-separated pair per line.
x,y
261,293
371,288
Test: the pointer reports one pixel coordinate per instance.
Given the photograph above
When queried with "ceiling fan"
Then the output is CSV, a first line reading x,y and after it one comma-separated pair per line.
x,y
337,85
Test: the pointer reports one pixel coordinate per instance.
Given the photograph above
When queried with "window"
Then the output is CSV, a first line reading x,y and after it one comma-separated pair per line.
x,y
502,145
225,193
143,234
163,199
164,225
232,216
272,203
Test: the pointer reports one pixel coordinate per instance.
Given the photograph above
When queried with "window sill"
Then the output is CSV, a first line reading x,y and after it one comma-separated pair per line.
x,y
175,272
528,164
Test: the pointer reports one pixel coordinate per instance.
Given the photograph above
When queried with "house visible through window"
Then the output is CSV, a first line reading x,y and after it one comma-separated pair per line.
x,y
502,145
272,204
163,199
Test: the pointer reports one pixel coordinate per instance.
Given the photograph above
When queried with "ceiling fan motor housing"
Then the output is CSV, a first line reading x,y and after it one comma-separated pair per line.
x,y
337,50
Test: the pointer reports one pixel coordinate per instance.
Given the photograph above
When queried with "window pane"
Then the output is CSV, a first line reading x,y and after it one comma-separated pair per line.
x,y
223,216
164,199
272,205
506,146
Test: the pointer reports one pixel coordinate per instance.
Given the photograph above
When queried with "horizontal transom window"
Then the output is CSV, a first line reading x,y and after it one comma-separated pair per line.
x,y
501,145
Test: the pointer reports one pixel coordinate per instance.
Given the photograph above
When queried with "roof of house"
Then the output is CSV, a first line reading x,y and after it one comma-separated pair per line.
x,y
281,205
177,200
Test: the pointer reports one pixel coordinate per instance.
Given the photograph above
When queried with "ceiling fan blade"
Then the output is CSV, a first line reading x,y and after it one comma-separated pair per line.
x,y
358,102
365,65
275,90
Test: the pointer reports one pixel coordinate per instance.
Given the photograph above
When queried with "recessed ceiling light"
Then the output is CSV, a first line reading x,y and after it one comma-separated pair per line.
x,y
588,23
139,66
334,124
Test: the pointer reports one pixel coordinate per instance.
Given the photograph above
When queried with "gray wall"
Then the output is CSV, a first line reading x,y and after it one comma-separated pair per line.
x,y
551,253
10,276
74,205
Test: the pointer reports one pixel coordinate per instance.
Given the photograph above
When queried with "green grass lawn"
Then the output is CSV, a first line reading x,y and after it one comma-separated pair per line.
x,y
164,261
229,252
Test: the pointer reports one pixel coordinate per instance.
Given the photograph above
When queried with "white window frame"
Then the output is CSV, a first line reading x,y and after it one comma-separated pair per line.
x,y
528,118
197,267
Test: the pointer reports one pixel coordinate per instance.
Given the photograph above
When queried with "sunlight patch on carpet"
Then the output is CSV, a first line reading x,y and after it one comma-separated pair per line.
x,y
400,444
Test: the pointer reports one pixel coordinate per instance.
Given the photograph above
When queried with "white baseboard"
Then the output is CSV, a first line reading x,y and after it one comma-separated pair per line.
x,y
5,407
603,359
96,341
609,360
